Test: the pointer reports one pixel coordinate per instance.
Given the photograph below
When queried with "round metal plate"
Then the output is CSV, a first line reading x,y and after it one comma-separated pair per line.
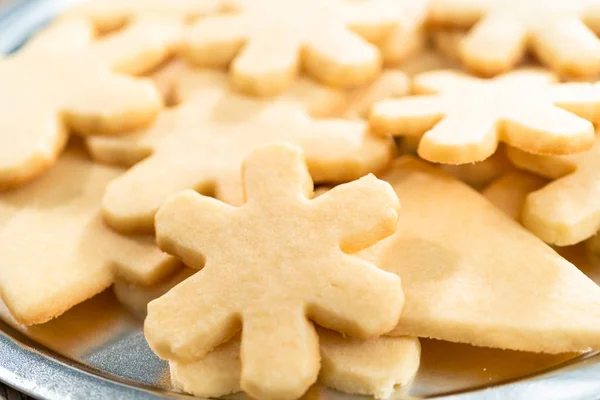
x,y
97,350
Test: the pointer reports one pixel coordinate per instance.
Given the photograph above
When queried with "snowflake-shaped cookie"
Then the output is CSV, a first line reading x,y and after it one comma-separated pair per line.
x,y
462,118
49,90
555,30
201,143
268,41
204,97
272,265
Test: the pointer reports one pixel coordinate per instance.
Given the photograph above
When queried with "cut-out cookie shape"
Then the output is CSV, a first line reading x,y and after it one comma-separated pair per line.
x,y
78,90
111,14
266,42
372,367
510,191
204,98
56,252
409,36
204,151
453,276
462,118
555,30
567,210
286,262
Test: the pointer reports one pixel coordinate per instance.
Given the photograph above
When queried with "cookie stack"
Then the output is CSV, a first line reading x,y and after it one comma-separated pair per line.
x,y
171,148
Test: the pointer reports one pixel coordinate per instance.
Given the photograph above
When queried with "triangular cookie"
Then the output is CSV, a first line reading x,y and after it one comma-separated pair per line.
x,y
473,275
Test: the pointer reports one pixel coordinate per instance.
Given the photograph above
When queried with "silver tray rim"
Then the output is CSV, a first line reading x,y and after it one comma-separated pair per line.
x,y
36,371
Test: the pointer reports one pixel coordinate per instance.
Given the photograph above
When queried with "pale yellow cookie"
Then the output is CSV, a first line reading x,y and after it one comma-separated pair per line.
x,y
201,143
204,98
56,252
266,42
510,191
567,210
372,367
555,30
274,265
47,92
463,118
473,275
409,36
111,14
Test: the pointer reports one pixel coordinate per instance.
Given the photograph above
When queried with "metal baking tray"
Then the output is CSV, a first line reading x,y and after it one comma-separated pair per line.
x,y
97,350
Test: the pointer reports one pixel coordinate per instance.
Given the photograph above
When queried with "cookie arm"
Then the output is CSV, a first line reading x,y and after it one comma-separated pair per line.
x,y
363,212
408,116
108,104
547,130
279,352
566,211
191,319
339,57
568,46
144,44
188,220
582,99
355,297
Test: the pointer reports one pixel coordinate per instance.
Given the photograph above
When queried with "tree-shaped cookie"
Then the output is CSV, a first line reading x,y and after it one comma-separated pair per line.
x,y
110,14
56,252
272,265
453,276
567,210
268,41
201,143
462,118
373,367
202,98
555,30
78,90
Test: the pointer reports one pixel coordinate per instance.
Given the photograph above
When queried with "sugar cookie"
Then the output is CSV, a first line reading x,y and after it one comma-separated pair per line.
x,y
459,257
369,367
567,210
555,30
294,266
372,367
266,42
409,36
203,98
55,251
462,118
111,14
205,146
78,90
